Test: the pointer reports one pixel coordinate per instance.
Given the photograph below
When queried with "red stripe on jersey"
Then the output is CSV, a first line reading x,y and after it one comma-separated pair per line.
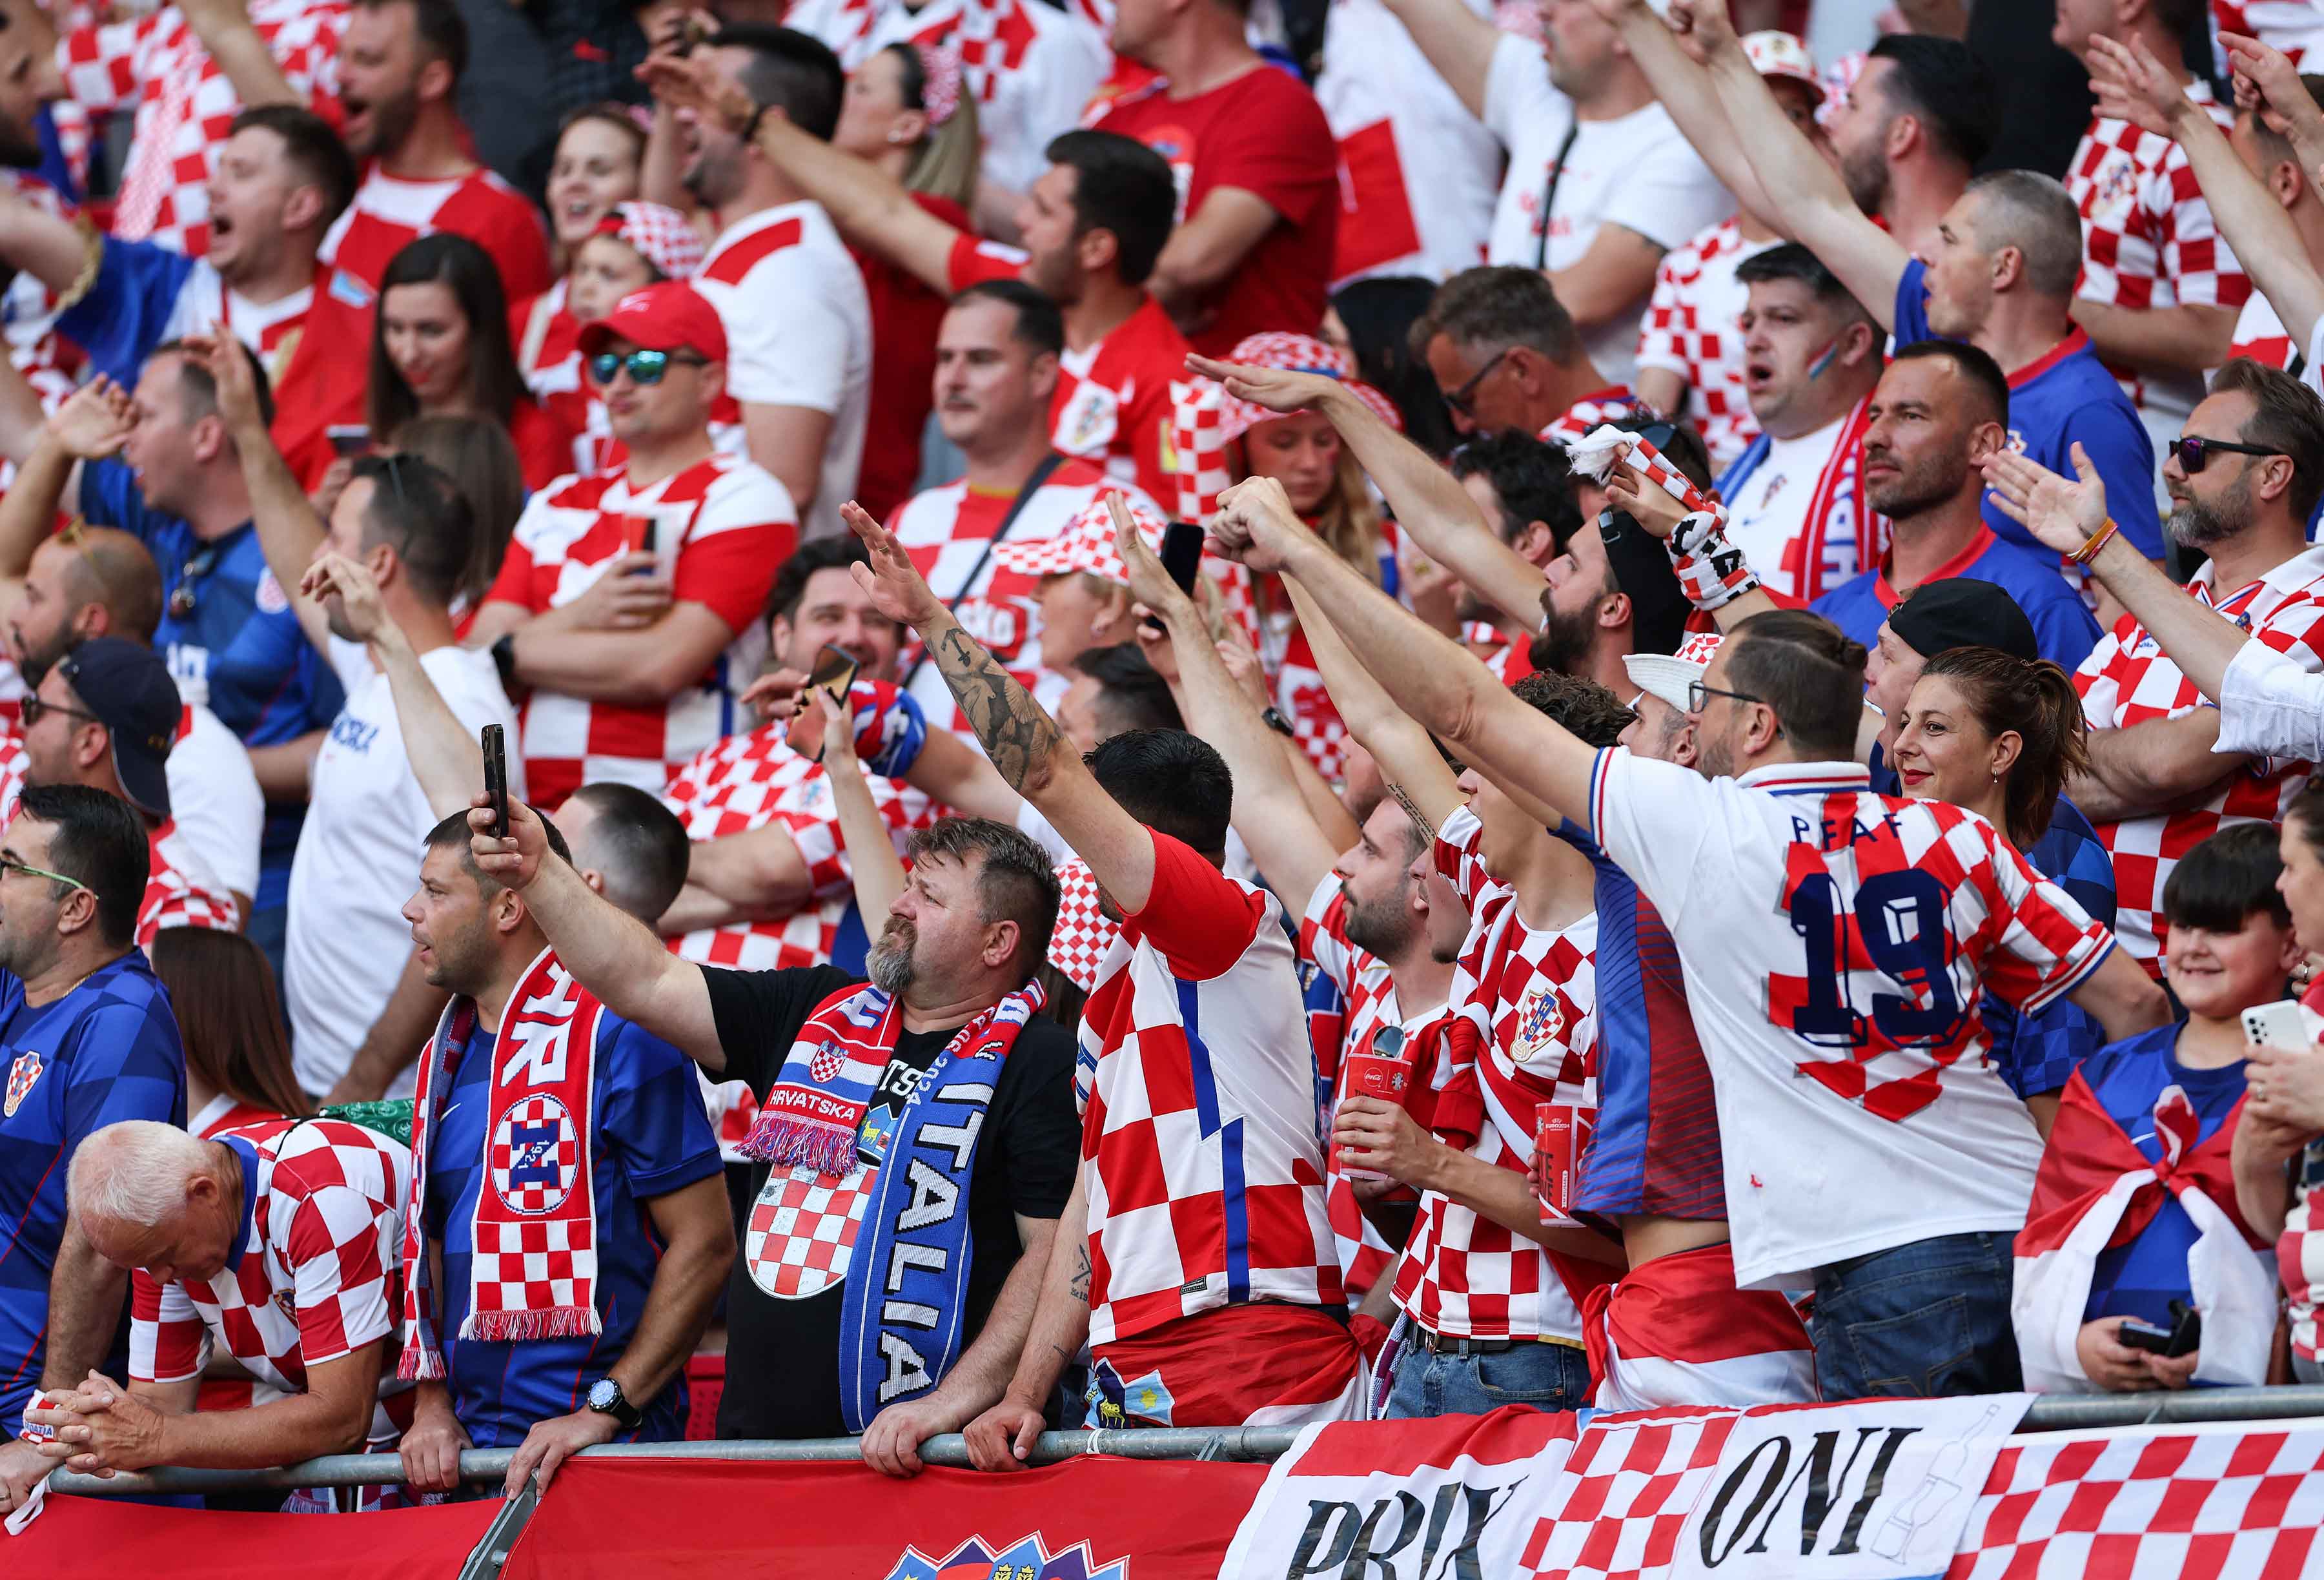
x,y
734,263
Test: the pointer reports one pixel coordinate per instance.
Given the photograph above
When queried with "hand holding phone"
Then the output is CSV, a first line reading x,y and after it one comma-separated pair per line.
x,y
1181,556
496,778
833,674
2277,1025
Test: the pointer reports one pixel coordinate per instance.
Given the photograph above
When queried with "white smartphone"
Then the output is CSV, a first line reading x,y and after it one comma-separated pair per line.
x,y
2278,1025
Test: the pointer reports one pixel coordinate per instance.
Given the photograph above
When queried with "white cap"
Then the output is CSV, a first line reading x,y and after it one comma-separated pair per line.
x,y
1668,676
1782,54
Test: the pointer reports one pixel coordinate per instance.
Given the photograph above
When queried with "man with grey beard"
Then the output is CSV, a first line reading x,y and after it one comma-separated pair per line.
x,y
936,1070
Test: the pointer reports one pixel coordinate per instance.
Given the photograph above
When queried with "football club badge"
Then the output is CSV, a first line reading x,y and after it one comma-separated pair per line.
x,y
535,1155
22,1074
1028,1558
1541,1024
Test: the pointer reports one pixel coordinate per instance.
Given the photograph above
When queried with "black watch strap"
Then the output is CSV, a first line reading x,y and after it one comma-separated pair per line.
x,y
503,651
625,1415
1275,721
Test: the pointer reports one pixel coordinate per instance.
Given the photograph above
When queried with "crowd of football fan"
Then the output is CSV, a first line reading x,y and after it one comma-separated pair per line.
x,y
1707,827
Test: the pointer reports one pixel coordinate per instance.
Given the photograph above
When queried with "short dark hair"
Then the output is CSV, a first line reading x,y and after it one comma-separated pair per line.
x,y
100,843
454,833
418,510
792,71
1791,261
1977,366
448,259
791,577
2274,146
1499,305
1677,441
2228,880
644,846
441,29
1585,709
1941,82
1132,695
2288,416
1173,783
1809,671
1123,188
1016,879
1530,478
1040,322
313,149
198,391
2036,215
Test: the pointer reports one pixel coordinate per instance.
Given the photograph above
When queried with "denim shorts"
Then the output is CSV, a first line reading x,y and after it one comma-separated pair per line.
x,y
1918,1321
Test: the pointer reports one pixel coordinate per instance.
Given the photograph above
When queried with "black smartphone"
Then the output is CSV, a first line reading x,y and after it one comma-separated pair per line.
x,y
1181,556
348,438
496,777
833,674
2134,1335
648,540
2184,1337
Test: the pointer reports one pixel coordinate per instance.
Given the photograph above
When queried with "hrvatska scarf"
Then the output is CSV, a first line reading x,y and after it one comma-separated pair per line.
x,y
532,1267
901,1317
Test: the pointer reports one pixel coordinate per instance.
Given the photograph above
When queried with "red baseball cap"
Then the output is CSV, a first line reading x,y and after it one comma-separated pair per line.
x,y
662,317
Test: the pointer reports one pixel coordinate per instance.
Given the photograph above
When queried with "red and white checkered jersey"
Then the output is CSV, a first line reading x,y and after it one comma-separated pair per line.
x,y
1200,1161
390,212
2293,26
1084,934
1528,998
319,1273
721,526
1834,944
1031,66
1690,329
947,532
2148,239
28,312
1418,175
184,103
180,891
2261,336
2128,680
751,780
1608,406
798,333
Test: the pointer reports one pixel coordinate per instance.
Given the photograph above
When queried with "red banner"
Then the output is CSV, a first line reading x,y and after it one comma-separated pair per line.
x,y
683,1520
93,1538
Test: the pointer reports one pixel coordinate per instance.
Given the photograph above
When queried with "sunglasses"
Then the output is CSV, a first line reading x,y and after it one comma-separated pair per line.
x,y
9,863
646,367
1459,399
32,710
2194,453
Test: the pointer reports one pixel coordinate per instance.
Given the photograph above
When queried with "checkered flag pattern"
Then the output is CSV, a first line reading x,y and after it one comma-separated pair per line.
x,y
1198,434
1633,1481
802,1231
2223,1502
1083,934
1086,545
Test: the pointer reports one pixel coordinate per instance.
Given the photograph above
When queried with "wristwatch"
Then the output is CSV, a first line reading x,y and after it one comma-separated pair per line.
x,y
504,653
1274,720
606,1397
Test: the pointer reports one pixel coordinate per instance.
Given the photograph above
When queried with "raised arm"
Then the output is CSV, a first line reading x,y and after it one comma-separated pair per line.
x,y
446,759
1684,90
224,29
1031,753
289,529
1430,676
94,422
872,864
1805,197
608,951
1416,775
1457,41
46,245
1429,503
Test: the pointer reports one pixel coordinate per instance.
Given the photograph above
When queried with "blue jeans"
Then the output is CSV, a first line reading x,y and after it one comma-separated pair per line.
x,y
1919,1321
1547,1377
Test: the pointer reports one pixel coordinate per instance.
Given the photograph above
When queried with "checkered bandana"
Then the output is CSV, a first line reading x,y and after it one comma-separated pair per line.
x,y
661,235
1594,454
939,81
533,1271
1086,545
1205,419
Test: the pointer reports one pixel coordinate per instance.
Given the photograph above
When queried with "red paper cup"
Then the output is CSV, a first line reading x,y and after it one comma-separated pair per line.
x,y
1560,1134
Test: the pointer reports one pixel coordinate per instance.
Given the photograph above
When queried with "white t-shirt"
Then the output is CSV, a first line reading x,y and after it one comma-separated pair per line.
x,y
1770,507
1858,1109
359,853
215,802
798,333
1637,172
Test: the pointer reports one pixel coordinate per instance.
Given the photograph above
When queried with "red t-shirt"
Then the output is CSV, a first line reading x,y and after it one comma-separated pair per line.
x,y
905,318
1265,134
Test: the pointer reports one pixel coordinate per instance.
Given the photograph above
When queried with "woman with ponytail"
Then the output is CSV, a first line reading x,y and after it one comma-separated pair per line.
x,y
1999,737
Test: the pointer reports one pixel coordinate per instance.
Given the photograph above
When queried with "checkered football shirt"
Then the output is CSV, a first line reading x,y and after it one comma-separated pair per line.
x,y
318,1272
1601,406
2127,680
1083,934
1200,1161
2148,238
1526,997
156,66
1691,330
181,891
727,524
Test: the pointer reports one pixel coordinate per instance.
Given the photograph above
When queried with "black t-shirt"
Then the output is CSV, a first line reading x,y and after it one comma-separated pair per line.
x,y
782,1371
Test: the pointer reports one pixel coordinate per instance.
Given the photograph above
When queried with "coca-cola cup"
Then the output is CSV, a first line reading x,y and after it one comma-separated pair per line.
x,y
1560,1134
1381,1071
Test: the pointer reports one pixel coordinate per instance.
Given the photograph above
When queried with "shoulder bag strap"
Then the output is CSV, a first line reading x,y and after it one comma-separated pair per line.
x,y
1049,463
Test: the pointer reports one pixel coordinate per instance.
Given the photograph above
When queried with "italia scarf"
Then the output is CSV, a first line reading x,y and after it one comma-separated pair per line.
x,y
532,1267
2094,1190
902,1313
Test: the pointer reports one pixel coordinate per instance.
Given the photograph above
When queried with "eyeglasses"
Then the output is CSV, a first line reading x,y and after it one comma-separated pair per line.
x,y
1459,399
2194,453
33,710
9,863
646,367
1699,696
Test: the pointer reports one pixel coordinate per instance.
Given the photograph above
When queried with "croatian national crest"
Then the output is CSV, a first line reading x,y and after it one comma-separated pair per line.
x,y
1027,1559
826,1063
1541,1024
535,1155
21,1075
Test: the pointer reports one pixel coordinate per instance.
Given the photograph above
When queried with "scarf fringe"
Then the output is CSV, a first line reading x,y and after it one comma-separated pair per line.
x,y
516,1327
421,1363
788,1142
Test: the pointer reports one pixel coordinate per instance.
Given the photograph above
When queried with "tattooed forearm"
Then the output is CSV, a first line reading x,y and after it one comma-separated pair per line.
x,y
1412,811
1017,734
1081,1284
